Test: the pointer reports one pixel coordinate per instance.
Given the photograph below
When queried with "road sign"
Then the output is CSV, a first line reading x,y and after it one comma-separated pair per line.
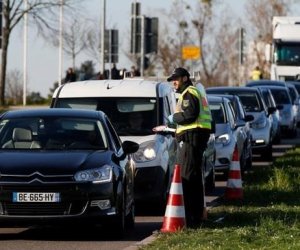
x,y
191,52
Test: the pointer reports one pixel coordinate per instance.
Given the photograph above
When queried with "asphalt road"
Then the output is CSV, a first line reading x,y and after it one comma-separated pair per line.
x,y
147,221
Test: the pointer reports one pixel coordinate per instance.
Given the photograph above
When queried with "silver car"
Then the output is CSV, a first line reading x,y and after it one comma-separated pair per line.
x,y
261,126
229,133
288,122
270,102
289,116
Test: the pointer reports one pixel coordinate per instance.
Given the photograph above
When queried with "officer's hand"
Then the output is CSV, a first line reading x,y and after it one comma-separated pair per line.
x,y
171,120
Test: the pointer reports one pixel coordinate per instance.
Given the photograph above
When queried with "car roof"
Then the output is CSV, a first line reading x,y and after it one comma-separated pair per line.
x,y
213,98
265,82
228,96
277,87
231,89
135,87
54,112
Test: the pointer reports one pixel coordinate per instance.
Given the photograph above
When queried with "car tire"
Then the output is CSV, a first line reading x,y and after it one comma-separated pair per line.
x,y
130,217
210,181
249,162
267,153
118,223
162,202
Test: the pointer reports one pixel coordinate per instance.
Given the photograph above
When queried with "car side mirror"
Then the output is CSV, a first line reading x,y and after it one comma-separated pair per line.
x,y
239,124
130,147
249,118
279,107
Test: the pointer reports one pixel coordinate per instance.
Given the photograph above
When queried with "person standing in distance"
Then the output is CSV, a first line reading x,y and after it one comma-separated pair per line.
x,y
193,127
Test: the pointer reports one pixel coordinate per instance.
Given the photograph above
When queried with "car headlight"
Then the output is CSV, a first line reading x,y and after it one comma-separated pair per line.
x,y
146,152
260,123
96,175
224,139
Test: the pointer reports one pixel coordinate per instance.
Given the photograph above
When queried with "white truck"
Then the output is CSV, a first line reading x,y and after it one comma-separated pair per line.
x,y
285,51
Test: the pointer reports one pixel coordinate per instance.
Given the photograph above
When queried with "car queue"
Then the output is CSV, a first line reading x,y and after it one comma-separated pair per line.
x,y
250,119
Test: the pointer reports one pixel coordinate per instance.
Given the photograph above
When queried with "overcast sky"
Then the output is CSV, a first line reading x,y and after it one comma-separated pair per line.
x,y
43,59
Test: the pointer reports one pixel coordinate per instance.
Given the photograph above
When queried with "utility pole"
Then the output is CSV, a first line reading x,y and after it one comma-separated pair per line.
x,y
102,60
60,50
142,44
25,52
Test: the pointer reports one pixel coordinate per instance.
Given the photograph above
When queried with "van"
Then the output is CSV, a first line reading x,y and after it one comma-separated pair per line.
x,y
134,106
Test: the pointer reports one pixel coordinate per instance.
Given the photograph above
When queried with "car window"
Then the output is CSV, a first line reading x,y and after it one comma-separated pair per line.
x,y
297,86
129,116
218,113
241,110
292,94
281,96
250,102
167,108
115,137
52,133
231,114
77,103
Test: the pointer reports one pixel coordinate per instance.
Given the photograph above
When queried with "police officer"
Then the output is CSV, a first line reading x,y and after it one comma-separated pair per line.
x,y
193,127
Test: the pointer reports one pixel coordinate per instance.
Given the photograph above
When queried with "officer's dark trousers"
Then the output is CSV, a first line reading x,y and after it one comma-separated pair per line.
x,y
189,157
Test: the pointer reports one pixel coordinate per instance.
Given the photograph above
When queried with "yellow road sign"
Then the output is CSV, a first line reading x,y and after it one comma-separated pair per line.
x,y
191,52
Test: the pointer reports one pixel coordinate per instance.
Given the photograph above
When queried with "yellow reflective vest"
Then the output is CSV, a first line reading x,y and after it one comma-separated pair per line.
x,y
204,119
256,74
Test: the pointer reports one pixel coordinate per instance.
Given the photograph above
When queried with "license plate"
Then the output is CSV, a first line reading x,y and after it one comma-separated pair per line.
x,y
35,197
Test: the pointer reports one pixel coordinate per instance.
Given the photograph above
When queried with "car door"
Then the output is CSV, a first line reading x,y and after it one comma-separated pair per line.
x,y
168,109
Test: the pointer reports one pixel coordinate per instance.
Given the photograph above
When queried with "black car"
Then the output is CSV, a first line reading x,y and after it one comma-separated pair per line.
x,y
59,164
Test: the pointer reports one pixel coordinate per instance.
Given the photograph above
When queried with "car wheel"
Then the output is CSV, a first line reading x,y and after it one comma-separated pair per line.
x,y
130,217
243,162
210,181
162,202
249,162
118,225
277,138
267,153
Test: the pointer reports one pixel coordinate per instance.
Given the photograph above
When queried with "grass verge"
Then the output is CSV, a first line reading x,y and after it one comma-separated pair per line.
x,y
267,218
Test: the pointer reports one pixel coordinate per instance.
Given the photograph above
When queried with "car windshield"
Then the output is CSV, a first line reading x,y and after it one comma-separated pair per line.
x,y
281,96
218,113
52,133
130,116
287,53
250,102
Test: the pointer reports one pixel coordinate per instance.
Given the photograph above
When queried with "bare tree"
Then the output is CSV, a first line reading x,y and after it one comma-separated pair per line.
x,y
74,37
260,13
197,26
42,13
14,91
93,41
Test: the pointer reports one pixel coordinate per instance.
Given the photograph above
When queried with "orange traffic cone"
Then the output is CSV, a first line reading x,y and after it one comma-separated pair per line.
x,y
175,214
234,190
